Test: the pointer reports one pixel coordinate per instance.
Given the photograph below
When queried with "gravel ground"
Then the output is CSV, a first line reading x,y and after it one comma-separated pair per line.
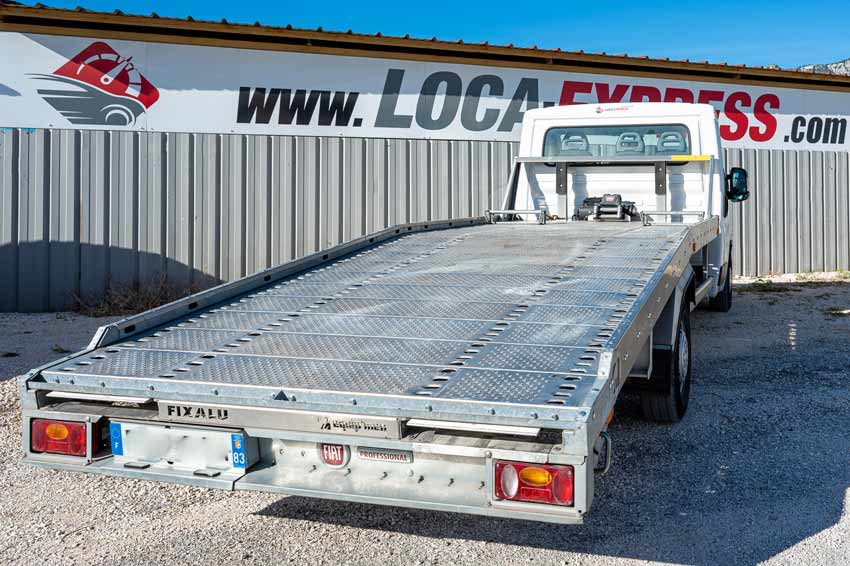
x,y
31,340
758,472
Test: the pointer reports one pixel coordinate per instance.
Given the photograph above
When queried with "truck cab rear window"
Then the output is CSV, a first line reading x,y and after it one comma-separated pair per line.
x,y
604,141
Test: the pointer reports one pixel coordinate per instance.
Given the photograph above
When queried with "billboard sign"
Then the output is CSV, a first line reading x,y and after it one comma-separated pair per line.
x,y
73,82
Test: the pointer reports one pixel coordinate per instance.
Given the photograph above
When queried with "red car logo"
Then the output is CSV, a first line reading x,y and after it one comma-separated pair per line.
x,y
101,88
334,455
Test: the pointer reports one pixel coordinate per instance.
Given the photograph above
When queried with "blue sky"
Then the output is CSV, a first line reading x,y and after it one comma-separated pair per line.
x,y
781,32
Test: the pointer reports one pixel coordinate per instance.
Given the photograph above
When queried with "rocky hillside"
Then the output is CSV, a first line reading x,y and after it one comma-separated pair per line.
x,y
837,68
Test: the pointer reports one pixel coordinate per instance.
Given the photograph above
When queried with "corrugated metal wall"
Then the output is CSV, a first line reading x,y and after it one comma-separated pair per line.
x,y
798,216
81,209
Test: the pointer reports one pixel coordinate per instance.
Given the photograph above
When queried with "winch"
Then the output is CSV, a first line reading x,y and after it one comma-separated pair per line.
x,y
606,207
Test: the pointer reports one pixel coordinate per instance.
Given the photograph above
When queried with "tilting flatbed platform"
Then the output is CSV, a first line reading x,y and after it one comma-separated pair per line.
x,y
511,323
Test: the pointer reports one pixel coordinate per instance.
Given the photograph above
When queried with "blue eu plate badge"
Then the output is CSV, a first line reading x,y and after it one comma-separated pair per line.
x,y
237,450
115,439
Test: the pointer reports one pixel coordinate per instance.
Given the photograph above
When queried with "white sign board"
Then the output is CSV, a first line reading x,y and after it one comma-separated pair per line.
x,y
70,82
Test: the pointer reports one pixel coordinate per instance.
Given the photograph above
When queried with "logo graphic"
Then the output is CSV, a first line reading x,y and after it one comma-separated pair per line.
x,y
196,413
600,110
99,87
386,455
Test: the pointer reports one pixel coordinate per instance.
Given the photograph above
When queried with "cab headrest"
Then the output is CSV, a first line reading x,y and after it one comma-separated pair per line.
x,y
671,142
629,143
575,144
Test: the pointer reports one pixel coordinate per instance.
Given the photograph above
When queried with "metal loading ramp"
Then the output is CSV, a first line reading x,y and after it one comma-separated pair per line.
x,y
505,323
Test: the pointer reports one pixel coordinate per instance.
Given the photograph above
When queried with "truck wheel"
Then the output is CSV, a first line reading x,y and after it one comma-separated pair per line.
x,y
667,401
723,301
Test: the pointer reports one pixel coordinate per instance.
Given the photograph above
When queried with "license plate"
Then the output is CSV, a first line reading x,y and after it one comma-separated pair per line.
x,y
385,455
190,449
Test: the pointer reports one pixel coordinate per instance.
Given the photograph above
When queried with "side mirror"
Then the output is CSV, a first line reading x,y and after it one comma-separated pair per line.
x,y
736,189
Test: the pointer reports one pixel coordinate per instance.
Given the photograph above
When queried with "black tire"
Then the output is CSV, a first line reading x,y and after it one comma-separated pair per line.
x,y
723,301
666,400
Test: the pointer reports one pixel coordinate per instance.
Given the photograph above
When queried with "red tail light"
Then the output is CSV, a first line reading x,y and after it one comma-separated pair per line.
x,y
58,437
536,483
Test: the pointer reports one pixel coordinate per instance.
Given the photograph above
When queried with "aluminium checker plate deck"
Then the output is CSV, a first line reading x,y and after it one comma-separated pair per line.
x,y
506,323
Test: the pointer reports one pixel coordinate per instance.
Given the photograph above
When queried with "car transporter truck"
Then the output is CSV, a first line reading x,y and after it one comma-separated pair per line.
x,y
468,365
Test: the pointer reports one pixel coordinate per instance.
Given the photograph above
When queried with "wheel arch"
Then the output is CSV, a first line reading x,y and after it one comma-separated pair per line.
x,y
664,331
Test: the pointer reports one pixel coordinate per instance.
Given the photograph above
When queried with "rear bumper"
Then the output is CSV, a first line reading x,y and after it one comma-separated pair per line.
x,y
453,477
263,478
260,481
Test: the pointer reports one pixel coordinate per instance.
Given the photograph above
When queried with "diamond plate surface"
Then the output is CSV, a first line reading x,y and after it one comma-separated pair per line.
x,y
586,298
557,314
306,289
416,245
275,304
422,309
551,334
415,248
539,358
433,293
484,265
539,252
233,320
461,280
593,284
387,326
506,387
184,339
607,272
262,302
365,264
356,348
124,362
633,248
375,255
331,375
599,260
339,277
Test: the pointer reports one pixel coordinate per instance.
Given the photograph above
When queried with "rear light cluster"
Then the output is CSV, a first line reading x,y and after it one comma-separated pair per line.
x,y
534,483
58,437
66,437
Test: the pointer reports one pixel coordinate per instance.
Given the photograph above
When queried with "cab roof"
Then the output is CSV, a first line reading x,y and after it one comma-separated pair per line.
x,y
628,109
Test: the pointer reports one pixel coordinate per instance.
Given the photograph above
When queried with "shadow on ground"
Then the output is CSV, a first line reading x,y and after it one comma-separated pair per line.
x,y
42,276
761,463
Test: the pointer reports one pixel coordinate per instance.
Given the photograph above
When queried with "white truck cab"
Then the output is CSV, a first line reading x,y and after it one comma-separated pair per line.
x,y
663,159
